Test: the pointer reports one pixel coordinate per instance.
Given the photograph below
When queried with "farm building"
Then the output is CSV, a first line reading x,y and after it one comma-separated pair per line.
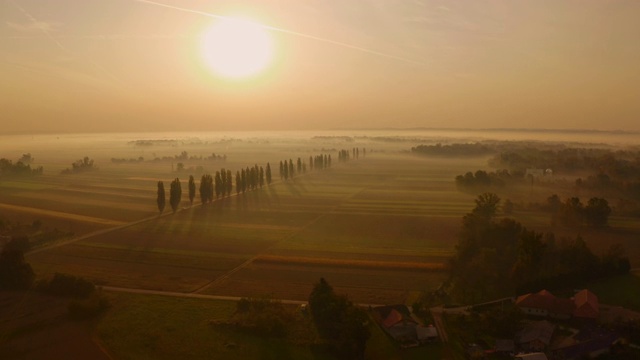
x,y
589,342
397,322
535,336
587,306
505,346
545,304
583,305
426,333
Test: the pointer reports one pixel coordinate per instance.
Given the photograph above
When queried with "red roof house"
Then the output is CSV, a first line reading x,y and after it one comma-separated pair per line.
x,y
586,304
544,303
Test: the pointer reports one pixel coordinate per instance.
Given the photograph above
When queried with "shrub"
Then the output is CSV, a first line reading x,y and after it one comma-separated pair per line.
x,y
263,317
66,286
88,307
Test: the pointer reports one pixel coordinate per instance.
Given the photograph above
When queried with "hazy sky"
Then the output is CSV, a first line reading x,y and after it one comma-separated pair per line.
x,y
118,65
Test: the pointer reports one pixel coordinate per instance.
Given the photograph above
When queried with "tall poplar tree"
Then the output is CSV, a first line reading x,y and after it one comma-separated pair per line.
x,y
161,197
192,189
175,194
268,174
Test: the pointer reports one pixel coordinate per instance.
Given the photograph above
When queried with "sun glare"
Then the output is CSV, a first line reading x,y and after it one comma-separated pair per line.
x,y
237,48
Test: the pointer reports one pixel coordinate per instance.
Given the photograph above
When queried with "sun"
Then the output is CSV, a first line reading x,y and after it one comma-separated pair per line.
x,y
237,48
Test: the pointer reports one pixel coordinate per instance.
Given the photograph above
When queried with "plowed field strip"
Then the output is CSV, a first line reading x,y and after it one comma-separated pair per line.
x,y
395,265
61,215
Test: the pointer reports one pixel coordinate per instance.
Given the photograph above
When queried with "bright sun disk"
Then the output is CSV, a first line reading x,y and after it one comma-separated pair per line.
x,y
237,48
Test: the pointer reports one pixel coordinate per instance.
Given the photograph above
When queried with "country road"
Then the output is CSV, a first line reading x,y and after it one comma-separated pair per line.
x,y
201,296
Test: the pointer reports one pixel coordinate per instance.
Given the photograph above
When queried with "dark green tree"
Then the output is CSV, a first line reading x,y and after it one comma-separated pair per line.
x,y
229,182
487,205
161,200
572,212
218,184
597,212
340,323
192,189
15,272
206,188
268,174
261,176
238,182
285,170
175,194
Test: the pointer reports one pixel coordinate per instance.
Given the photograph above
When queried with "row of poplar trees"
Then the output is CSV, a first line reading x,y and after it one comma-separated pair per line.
x,y
221,185
249,178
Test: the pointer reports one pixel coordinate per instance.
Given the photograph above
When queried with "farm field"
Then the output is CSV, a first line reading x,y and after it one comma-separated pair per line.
x,y
380,227
339,223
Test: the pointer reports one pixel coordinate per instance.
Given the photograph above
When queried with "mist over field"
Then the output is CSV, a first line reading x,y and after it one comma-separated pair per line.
x,y
378,214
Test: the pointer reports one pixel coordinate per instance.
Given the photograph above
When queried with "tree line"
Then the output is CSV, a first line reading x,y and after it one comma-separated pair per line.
x,y
249,178
219,186
572,212
21,168
500,257
454,150
484,179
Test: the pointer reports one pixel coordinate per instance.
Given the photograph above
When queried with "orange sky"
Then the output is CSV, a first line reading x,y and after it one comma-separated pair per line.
x,y
88,65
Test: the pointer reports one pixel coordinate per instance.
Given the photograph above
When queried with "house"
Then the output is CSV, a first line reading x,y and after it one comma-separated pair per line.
x,y
589,342
426,333
474,351
397,322
544,303
535,336
505,346
586,305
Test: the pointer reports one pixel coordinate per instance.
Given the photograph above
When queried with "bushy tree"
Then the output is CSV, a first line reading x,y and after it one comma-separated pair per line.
x,y
572,212
15,272
340,323
597,212
487,205
161,200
